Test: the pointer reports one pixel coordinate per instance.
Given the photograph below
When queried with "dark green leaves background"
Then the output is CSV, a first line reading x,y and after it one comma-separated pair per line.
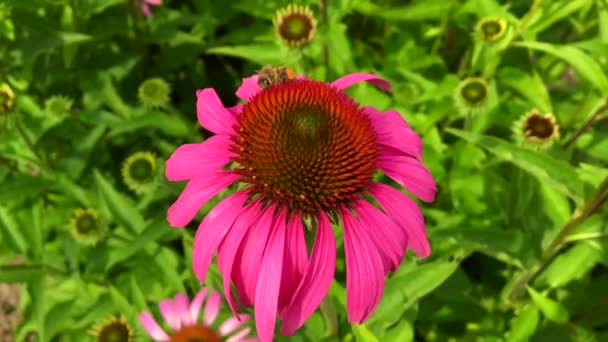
x,y
519,237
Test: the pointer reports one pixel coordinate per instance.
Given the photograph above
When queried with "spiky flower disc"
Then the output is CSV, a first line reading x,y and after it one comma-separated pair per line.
x,y
86,226
536,130
154,93
58,105
113,329
139,171
491,29
305,145
295,25
472,95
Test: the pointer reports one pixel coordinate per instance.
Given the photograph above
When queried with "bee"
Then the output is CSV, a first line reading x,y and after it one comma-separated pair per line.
x,y
271,75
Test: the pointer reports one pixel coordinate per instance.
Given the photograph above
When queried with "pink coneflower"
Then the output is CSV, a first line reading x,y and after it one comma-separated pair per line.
x,y
301,151
145,6
183,318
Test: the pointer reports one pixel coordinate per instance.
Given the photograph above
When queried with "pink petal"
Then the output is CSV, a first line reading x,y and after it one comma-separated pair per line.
x,y
296,259
196,193
354,78
406,213
248,88
236,109
394,132
230,246
145,9
269,280
316,281
212,308
181,307
154,2
409,173
198,160
232,324
249,256
212,114
212,230
171,316
239,337
195,306
152,328
364,270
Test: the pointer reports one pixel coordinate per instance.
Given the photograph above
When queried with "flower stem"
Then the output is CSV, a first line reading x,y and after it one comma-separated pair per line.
x,y
598,198
592,119
323,6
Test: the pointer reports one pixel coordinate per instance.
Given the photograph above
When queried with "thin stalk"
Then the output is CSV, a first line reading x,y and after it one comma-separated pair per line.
x,y
599,197
586,125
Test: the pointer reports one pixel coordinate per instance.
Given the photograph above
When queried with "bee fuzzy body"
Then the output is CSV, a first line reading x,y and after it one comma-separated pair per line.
x,y
271,75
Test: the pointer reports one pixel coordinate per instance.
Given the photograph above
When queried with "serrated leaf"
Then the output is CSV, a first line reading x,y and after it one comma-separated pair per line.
x,y
561,175
524,324
121,207
584,64
552,310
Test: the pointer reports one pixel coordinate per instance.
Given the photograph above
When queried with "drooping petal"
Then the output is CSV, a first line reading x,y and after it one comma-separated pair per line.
x,y
230,246
394,132
239,336
364,270
232,324
212,114
315,282
296,259
154,2
195,305
409,173
181,307
145,9
196,193
198,160
269,280
249,257
167,309
236,109
390,239
212,308
212,230
357,77
152,328
406,213
248,88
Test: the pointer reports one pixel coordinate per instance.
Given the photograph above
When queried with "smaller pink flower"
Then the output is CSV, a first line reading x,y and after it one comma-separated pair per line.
x,y
183,318
145,6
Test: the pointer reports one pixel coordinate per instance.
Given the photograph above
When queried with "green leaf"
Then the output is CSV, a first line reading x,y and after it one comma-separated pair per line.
x,y
531,86
561,175
552,310
258,53
121,207
524,324
417,11
555,204
363,334
602,13
558,10
166,123
20,273
403,332
37,44
584,64
570,265
11,233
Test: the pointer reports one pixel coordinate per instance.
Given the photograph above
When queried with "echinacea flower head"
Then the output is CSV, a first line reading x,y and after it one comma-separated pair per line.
x,y
295,25
491,29
301,150
189,324
139,171
154,93
58,105
113,329
86,227
536,130
472,95
144,6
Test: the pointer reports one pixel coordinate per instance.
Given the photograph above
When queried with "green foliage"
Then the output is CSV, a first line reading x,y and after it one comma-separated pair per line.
x,y
519,236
